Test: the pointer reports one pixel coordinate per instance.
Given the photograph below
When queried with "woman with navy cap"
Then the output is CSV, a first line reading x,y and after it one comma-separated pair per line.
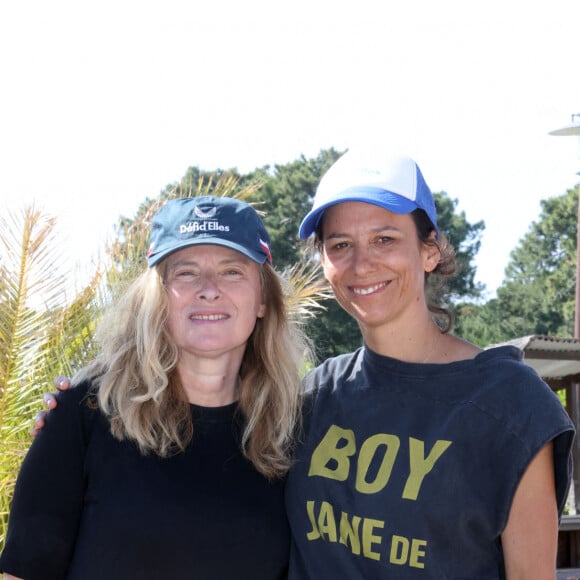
x,y
422,455
172,448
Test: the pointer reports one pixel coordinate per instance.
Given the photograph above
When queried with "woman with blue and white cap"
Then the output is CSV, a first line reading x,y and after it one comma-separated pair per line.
x,y
422,455
173,447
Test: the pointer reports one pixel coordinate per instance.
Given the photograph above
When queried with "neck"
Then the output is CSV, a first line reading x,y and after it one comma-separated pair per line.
x,y
209,385
423,343
417,342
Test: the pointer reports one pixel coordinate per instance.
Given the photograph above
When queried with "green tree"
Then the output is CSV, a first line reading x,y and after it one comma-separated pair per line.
x,y
478,323
540,281
465,238
285,196
537,295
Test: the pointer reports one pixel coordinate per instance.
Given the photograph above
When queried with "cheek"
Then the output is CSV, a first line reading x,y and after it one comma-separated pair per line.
x,y
328,268
172,306
175,304
173,296
172,318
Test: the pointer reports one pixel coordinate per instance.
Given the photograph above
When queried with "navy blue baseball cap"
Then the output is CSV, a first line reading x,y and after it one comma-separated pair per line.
x,y
372,176
218,221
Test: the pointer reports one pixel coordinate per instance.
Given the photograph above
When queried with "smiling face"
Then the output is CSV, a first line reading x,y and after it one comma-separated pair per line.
x,y
214,299
376,265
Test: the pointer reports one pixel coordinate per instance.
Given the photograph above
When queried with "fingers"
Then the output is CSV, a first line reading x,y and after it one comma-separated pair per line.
x,y
49,400
39,421
62,383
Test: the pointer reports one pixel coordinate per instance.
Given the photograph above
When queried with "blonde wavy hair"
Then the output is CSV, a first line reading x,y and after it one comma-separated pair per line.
x,y
139,391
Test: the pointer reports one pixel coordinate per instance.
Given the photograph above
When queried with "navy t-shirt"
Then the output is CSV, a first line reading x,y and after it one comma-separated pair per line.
x,y
89,507
408,470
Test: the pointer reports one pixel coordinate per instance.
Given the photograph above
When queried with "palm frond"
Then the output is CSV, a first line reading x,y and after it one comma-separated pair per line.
x,y
305,291
31,286
71,330
226,185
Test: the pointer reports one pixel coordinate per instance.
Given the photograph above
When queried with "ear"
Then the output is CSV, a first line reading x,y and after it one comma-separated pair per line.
x,y
431,254
261,311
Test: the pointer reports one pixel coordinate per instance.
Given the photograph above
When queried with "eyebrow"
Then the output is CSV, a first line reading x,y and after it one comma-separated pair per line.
x,y
380,229
223,262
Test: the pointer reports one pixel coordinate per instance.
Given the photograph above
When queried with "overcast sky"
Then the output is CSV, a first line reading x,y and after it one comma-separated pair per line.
x,y
105,103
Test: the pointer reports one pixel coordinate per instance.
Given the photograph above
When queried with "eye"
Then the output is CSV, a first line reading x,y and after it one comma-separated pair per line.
x,y
233,272
337,246
184,273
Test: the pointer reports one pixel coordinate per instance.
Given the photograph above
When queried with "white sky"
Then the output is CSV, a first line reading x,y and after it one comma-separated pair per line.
x,y
105,103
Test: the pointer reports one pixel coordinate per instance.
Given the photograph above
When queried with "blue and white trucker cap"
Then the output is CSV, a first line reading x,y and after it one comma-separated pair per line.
x,y
218,221
392,182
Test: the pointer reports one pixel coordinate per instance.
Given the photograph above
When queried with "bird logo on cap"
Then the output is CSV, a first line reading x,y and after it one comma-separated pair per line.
x,y
204,214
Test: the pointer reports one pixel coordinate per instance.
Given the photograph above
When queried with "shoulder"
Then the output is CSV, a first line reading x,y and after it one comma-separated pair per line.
x,y
332,370
532,413
503,372
504,368
76,409
453,349
82,395
514,394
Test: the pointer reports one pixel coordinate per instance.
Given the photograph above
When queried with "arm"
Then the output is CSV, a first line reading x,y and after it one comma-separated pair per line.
x,y
530,539
41,534
10,577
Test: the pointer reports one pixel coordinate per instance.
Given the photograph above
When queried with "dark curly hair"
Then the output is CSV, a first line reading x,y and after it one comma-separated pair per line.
x,y
445,268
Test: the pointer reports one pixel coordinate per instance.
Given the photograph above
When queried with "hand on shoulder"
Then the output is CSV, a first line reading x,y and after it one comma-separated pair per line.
x,y
61,383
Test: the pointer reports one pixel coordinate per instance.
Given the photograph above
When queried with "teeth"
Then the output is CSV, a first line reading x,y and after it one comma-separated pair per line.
x,y
209,317
369,290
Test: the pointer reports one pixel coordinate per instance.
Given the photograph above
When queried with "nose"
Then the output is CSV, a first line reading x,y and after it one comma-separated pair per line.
x,y
208,288
362,259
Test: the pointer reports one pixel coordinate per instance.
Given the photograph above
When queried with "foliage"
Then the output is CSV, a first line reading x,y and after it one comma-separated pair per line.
x,y
537,295
334,331
32,322
285,196
466,241
539,288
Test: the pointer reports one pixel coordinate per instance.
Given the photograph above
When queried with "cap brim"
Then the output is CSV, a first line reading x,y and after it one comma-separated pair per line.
x,y
373,195
254,256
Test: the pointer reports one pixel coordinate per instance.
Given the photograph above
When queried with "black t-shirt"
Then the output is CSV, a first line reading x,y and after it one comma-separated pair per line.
x,y
408,471
90,507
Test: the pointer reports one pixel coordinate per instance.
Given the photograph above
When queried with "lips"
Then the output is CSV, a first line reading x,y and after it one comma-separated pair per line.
x,y
359,291
208,317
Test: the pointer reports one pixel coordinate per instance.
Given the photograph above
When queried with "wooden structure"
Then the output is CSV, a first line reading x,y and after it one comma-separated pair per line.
x,y
557,360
